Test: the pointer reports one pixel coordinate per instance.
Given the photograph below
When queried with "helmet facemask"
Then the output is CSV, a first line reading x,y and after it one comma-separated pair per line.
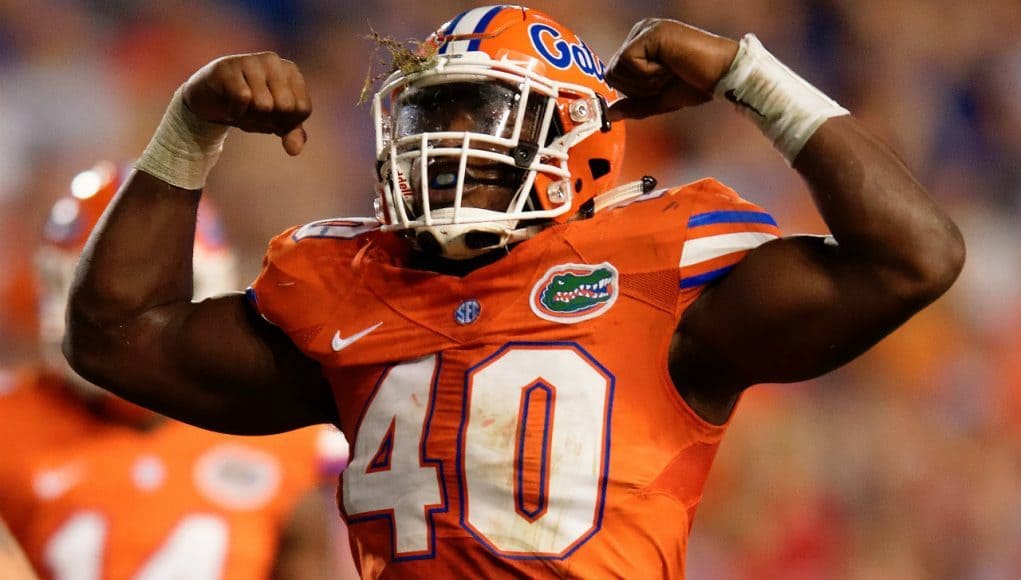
x,y
463,148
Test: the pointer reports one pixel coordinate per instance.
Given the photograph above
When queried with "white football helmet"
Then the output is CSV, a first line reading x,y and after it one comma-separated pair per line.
x,y
505,99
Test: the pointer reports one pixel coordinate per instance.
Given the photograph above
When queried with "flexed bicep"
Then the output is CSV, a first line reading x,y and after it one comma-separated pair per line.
x,y
215,364
798,307
793,309
133,329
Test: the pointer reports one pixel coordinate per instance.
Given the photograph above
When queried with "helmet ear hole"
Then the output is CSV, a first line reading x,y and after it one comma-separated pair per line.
x,y
598,167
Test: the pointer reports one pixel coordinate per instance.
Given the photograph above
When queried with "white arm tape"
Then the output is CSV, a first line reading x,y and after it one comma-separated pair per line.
x,y
784,106
184,149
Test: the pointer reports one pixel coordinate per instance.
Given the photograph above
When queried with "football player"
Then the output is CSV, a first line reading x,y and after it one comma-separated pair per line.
x,y
96,487
535,364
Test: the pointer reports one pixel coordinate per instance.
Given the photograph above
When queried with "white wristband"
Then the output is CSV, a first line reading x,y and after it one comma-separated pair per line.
x,y
784,106
184,149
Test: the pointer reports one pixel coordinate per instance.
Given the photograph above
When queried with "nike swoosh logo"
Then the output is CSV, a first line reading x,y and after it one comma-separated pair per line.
x,y
339,343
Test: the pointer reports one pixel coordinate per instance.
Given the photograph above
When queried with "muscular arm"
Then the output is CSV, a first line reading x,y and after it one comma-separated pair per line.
x,y
132,327
798,307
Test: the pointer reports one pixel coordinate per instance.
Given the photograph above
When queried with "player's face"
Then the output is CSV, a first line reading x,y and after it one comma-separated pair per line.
x,y
480,109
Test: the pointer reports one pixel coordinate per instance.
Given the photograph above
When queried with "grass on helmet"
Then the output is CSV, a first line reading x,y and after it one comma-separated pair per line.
x,y
408,57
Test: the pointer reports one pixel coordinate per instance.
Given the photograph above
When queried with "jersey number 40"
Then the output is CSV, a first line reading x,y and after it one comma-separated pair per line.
x,y
532,452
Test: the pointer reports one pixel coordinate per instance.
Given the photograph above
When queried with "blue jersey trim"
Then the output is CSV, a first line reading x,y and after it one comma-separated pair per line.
x,y
706,278
730,217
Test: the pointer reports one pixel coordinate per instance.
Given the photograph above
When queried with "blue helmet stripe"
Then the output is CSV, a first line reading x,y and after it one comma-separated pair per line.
x,y
450,29
481,27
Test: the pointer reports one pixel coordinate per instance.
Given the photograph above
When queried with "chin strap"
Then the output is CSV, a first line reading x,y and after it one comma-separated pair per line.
x,y
458,245
465,241
619,195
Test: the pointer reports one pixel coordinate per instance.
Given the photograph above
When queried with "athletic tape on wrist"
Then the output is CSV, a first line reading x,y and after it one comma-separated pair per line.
x,y
184,148
783,105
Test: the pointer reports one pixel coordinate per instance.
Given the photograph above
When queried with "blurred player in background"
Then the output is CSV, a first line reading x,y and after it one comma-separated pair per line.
x,y
96,487
536,365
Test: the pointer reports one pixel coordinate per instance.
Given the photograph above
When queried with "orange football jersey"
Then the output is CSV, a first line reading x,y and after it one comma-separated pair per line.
x,y
35,415
115,502
520,420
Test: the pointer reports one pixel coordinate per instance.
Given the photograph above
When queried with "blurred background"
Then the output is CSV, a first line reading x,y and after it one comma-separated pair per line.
x,y
905,464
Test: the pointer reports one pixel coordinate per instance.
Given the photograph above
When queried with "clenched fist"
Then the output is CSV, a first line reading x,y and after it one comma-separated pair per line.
x,y
257,93
665,65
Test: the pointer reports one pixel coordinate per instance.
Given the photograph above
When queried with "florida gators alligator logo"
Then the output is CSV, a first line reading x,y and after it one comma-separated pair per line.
x,y
570,293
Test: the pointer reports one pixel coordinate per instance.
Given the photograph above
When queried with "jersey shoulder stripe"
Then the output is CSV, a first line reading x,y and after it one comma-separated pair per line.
x,y
699,250
303,264
721,230
337,228
730,217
